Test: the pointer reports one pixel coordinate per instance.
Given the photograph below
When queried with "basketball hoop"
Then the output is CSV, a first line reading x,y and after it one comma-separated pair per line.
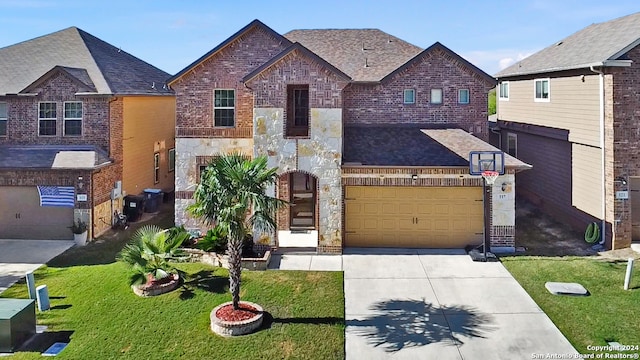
x,y
490,176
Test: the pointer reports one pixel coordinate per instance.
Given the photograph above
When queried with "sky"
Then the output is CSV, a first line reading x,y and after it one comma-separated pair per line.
x,y
171,34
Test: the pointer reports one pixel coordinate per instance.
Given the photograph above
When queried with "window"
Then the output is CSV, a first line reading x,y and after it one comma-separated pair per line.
x,y
512,144
224,108
541,90
409,96
463,96
156,168
297,110
504,90
73,118
47,117
172,160
436,96
3,118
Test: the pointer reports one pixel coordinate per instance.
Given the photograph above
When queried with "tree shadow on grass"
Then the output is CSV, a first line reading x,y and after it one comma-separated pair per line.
x,y
204,280
409,323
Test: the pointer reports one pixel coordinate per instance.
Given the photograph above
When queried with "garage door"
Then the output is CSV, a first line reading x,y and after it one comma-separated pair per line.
x,y
423,217
22,217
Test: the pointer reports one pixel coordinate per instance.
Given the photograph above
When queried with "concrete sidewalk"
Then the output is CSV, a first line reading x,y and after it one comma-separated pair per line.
x,y
17,257
438,304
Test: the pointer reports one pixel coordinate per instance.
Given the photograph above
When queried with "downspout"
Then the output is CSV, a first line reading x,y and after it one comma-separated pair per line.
x,y
602,159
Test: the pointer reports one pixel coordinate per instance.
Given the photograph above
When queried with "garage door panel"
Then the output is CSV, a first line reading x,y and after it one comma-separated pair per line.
x,y
428,217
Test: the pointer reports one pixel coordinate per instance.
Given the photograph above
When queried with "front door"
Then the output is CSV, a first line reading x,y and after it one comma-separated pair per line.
x,y
302,188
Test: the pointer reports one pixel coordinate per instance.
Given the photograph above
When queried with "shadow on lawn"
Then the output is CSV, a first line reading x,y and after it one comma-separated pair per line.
x,y
204,280
42,341
268,320
409,323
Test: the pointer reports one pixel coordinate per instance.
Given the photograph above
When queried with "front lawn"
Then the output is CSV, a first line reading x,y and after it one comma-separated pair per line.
x,y
609,314
106,320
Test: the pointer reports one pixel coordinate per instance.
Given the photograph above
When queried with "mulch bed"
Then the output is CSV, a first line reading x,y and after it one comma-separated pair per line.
x,y
245,312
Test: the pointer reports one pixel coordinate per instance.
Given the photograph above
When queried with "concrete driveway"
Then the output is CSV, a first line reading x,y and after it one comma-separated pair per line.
x,y
17,257
438,304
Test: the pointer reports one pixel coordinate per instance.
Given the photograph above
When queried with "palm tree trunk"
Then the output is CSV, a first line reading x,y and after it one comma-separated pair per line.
x,y
235,270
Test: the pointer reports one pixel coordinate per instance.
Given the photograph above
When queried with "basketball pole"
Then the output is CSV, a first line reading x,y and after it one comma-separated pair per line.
x,y
485,218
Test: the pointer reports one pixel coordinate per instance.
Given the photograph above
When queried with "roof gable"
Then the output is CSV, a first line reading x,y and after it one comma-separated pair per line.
x,y
222,45
78,76
601,44
437,46
296,47
365,55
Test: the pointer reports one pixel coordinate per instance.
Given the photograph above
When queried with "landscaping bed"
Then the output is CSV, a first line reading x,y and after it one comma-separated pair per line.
x,y
304,314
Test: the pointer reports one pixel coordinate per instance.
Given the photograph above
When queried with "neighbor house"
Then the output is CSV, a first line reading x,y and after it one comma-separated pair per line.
x,y
370,135
81,124
572,110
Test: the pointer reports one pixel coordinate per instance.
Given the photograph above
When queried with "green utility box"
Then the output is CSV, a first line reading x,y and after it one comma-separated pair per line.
x,y
17,323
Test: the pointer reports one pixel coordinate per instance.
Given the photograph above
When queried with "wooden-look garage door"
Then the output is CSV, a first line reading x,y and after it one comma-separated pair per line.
x,y
22,217
422,217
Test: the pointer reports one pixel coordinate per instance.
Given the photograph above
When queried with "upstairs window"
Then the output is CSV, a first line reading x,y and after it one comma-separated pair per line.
x,y
541,89
73,118
409,96
463,96
156,168
47,117
224,108
297,110
172,160
512,144
504,90
3,118
436,96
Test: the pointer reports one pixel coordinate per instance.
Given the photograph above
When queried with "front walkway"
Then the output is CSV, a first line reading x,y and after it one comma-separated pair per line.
x,y
434,304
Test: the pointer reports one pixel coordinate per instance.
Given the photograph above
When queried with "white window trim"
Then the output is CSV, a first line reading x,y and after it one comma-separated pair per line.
x,y
55,118
441,96
65,118
500,97
156,168
549,90
404,96
468,97
213,114
515,138
5,118
172,150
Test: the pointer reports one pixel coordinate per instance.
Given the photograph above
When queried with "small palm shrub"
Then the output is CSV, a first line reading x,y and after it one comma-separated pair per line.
x,y
214,240
150,251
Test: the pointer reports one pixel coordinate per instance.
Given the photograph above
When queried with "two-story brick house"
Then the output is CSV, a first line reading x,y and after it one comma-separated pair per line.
x,y
369,133
572,110
81,124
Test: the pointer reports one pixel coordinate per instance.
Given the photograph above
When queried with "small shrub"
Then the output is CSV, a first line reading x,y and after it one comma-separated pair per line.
x,y
215,240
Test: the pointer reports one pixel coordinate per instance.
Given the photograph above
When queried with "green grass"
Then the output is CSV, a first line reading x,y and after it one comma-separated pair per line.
x,y
305,317
610,313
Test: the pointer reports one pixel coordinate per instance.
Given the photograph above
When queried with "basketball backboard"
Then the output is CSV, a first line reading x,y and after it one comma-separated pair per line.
x,y
480,161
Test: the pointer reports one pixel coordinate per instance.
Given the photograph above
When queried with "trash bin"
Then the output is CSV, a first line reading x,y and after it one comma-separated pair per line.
x,y
133,207
152,200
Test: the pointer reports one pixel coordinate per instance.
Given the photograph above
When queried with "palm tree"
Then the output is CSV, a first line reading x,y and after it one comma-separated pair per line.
x,y
149,253
231,194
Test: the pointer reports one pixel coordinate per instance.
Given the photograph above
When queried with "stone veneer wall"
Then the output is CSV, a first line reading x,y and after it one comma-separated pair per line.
x,y
319,155
188,153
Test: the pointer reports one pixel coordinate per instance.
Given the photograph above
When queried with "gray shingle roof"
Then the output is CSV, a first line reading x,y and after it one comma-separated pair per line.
x,y
52,157
396,146
343,48
109,69
594,45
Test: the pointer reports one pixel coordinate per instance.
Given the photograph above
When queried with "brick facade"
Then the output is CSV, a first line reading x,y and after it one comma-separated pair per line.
x,y
22,124
621,102
223,70
377,104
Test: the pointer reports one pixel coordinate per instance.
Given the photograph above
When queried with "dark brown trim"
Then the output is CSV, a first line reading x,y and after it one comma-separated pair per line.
x,y
549,132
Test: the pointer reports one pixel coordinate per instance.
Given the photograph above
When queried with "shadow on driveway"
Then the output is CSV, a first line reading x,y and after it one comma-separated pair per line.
x,y
412,323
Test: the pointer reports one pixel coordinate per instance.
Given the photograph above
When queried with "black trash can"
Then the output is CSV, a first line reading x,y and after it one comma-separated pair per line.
x,y
152,200
133,207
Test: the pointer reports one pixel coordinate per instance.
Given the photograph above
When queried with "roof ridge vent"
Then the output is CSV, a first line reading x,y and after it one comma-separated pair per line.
x,y
559,43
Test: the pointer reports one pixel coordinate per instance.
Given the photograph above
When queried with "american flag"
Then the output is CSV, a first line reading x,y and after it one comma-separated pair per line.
x,y
57,196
